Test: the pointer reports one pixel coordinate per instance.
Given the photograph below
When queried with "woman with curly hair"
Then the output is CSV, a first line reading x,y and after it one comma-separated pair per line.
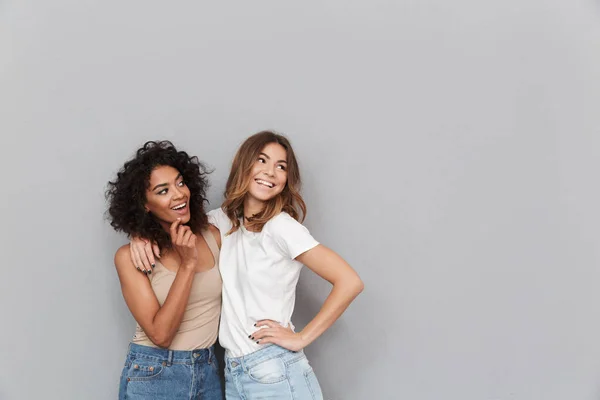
x,y
160,195
264,248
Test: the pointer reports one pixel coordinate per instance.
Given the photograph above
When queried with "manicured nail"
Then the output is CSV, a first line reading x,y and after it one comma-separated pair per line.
x,y
153,265
252,338
257,342
149,271
248,336
254,324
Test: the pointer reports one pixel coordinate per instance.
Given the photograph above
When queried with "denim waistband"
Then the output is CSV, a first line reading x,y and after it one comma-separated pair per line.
x,y
171,356
266,353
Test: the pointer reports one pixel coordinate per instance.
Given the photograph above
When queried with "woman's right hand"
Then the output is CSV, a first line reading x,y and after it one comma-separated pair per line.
x,y
184,243
142,253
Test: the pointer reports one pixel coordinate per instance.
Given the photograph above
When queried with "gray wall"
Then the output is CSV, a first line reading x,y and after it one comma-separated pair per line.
x,y
450,152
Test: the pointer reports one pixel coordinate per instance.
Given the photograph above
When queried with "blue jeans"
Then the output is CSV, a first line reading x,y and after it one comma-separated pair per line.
x,y
152,373
271,373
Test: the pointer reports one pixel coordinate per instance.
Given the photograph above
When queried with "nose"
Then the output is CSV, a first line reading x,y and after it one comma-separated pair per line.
x,y
269,170
177,194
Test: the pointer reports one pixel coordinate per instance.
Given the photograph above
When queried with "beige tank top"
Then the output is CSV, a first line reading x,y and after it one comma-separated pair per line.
x,y
200,323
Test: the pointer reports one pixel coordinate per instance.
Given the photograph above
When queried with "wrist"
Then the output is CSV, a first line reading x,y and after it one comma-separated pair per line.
x,y
303,338
189,265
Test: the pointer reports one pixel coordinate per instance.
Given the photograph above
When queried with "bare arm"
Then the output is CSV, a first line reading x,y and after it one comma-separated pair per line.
x,y
159,323
144,253
346,286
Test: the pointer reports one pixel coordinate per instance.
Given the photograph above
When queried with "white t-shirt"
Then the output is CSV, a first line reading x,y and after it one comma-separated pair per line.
x,y
259,276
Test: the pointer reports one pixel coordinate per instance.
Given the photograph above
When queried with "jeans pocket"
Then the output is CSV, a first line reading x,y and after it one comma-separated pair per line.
x,y
141,369
269,371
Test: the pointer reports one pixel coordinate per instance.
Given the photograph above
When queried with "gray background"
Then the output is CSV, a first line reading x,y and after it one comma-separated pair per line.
x,y
450,152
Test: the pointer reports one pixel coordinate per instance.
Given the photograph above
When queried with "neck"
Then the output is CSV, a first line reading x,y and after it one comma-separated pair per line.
x,y
252,207
166,226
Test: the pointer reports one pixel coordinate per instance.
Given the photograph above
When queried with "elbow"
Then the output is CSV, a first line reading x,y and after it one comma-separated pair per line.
x,y
353,286
358,286
161,340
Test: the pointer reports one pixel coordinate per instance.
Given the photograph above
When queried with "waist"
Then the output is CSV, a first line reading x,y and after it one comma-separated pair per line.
x,y
267,352
168,357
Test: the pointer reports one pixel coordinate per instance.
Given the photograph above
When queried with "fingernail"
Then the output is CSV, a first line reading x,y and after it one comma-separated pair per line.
x,y
149,271
252,338
248,336
153,265
257,342
254,324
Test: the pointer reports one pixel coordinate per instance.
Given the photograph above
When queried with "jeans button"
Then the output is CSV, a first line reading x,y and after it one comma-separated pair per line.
x,y
234,364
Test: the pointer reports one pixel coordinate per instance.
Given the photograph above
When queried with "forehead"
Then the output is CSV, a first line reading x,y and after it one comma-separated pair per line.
x,y
163,174
275,151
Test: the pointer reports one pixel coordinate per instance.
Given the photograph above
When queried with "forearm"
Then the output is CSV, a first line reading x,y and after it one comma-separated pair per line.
x,y
168,318
342,294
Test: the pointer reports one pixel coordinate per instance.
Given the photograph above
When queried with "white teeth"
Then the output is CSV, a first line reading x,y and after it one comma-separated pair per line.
x,y
179,207
269,184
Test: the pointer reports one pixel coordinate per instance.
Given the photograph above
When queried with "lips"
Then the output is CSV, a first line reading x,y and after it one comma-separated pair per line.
x,y
180,208
262,182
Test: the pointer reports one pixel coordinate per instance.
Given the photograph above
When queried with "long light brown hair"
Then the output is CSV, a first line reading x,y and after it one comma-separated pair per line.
x,y
289,200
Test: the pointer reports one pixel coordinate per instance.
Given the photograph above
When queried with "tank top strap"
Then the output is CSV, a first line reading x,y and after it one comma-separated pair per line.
x,y
212,244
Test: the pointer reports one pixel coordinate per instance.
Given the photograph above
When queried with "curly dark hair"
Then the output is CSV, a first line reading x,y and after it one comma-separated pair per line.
x,y
126,195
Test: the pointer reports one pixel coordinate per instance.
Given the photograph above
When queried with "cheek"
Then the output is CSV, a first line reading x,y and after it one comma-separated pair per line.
x,y
255,169
157,205
283,178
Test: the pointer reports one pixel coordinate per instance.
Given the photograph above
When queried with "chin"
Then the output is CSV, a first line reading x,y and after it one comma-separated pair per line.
x,y
184,219
263,198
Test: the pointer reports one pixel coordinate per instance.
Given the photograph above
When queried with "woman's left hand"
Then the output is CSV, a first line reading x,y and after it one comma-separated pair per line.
x,y
277,334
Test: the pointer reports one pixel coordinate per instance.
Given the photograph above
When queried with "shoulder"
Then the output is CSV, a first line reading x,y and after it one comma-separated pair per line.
x,y
123,258
122,254
289,236
281,223
284,226
218,218
216,234
216,212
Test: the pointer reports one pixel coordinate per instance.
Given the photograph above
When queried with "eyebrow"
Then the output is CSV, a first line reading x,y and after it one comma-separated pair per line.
x,y
279,161
165,184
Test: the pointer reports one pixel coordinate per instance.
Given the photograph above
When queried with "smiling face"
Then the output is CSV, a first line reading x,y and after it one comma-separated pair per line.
x,y
268,176
167,196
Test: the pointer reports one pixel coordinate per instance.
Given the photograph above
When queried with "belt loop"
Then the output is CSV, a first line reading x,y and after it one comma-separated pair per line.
x,y
211,353
170,358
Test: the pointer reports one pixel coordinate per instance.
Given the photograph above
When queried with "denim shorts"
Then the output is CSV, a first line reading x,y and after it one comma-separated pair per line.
x,y
271,373
152,373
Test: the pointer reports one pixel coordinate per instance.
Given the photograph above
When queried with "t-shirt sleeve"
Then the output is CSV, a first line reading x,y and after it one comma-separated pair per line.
x,y
291,238
218,218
